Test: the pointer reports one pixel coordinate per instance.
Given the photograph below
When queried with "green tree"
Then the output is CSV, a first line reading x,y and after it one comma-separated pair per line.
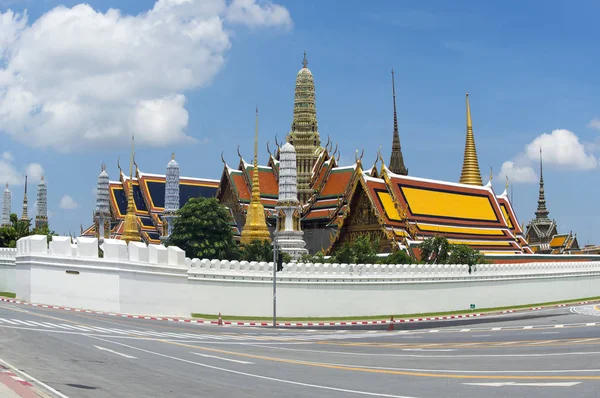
x,y
397,257
435,250
203,230
9,235
359,251
317,258
463,254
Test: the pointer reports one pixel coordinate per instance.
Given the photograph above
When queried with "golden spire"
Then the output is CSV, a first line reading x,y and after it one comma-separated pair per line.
x,y
130,230
256,223
470,170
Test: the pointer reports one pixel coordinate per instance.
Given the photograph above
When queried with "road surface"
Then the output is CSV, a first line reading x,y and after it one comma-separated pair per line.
x,y
546,353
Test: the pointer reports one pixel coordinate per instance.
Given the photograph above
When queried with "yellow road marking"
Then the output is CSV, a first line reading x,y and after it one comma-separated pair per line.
x,y
381,371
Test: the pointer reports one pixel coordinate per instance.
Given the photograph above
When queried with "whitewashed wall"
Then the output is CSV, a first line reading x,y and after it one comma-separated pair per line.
x,y
7,270
156,280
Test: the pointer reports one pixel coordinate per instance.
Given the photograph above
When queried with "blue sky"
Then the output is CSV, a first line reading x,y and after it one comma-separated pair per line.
x,y
186,78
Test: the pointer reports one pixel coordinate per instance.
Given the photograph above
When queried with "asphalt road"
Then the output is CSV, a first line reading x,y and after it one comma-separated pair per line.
x,y
547,353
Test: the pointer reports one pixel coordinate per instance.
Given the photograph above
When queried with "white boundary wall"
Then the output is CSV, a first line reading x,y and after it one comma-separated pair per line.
x,y
7,270
152,279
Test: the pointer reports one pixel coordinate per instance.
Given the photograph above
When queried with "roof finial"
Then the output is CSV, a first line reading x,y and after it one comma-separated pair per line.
x,y
173,155
42,178
491,173
304,61
470,171
506,183
396,159
103,167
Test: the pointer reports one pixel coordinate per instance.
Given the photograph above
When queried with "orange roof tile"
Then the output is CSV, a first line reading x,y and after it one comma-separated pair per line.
x,y
338,181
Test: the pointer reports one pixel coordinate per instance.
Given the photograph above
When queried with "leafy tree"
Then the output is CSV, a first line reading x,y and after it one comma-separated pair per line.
x,y
203,230
318,258
359,251
435,250
463,254
257,251
9,235
44,230
398,257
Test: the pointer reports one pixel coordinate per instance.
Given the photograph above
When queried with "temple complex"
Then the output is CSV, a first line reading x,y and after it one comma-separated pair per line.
x,y
41,216
6,203
335,203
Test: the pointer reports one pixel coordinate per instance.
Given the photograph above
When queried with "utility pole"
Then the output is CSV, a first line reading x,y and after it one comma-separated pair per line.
x,y
275,268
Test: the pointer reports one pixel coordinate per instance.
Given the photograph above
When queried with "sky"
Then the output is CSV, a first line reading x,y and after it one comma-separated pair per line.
x,y
78,79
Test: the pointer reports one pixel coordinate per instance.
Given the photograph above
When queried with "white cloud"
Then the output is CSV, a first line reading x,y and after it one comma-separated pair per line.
x,y
78,78
68,203
252,14
34,172
13,175
594,123
516,173
8,171
561,148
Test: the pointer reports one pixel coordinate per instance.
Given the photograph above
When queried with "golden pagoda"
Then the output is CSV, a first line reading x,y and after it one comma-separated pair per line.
x,y
256,223
131,231
470,171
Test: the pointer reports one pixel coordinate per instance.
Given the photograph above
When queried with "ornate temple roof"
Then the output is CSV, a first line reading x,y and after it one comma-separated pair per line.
x,y
410,209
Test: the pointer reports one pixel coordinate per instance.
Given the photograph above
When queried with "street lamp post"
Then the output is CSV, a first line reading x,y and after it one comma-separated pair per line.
x,y
275,268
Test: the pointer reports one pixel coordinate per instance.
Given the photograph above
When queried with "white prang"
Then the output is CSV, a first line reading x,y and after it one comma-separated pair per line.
x,y
102,212
41,217
171,194
289,236
6,207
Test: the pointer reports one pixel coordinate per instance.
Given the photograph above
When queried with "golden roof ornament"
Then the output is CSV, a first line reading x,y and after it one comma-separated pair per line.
x,y
131,232
470,171
255,227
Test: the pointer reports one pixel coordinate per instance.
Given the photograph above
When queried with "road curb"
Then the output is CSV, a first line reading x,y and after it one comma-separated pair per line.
x,y
287,324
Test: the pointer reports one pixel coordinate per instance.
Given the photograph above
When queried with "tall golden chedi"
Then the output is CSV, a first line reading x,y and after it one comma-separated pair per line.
x,y
305,131
470,170
131,232
256,223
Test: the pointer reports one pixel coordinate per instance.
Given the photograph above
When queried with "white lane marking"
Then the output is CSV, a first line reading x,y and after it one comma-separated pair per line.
x,y
512,383
465,330
23,322
33,379
8,321
256,375
269,345
104,330
115,352
527,327
559,326
434,331
496,329
55,325
41,324
76,327
221,358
